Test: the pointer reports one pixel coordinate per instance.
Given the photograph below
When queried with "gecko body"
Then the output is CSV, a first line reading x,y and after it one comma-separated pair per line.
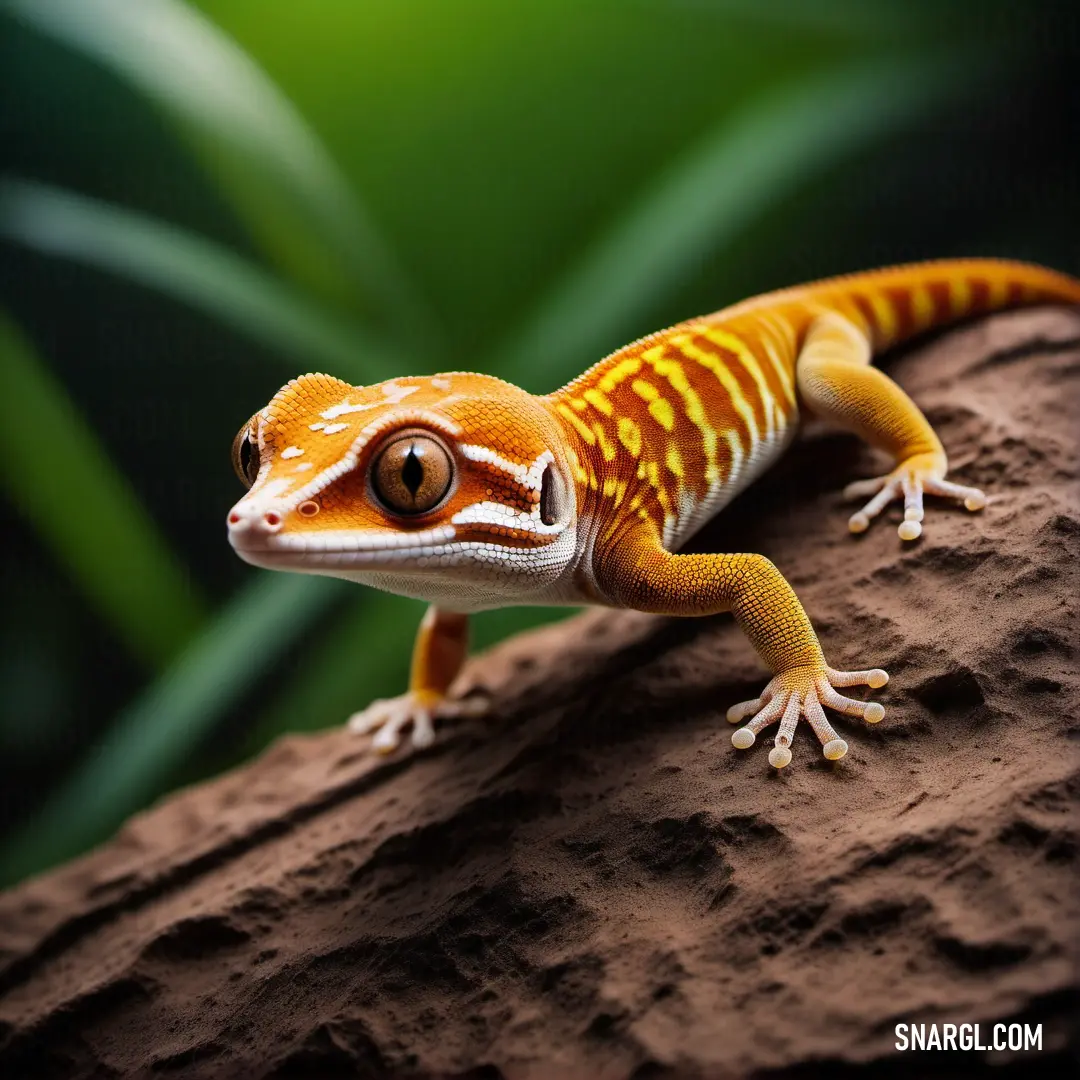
x,y
470,493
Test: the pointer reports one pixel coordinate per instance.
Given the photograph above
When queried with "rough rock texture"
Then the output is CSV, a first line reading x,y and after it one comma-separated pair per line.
x,y
593,882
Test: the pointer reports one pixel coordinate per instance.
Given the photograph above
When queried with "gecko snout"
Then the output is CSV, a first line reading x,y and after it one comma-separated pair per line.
x,y
252,520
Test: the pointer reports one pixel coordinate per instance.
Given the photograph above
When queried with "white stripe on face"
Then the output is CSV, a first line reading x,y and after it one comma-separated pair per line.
x,y
494,513
528,476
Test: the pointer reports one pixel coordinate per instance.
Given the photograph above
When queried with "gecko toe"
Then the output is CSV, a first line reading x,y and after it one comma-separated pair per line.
x,y
974,499
888,490
739,712
743,739
779,757
871,711
370,719
466,707
423,732
834,749
859,489
387,738
872,677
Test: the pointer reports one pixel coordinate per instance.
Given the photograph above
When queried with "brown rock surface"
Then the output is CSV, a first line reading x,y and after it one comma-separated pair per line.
x,y
593,882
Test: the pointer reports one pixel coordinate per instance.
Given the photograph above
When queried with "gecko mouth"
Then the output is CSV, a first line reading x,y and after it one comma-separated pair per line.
x,y
265,547
342,549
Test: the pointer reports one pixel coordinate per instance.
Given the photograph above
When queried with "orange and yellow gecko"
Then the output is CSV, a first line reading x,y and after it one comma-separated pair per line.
x,y
470,493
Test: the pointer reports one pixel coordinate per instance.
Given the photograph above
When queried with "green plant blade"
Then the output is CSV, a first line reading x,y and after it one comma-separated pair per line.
x,y
149,740
56,472
747,165
883,20
196,271
266,160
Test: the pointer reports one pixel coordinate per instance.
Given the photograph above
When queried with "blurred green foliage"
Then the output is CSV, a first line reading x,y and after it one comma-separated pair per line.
x,y
201,201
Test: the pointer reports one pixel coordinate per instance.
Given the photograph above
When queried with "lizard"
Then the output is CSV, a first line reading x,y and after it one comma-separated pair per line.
x,y
470,493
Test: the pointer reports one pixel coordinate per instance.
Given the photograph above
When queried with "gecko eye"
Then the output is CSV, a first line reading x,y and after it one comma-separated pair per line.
x,y
412,474
245,456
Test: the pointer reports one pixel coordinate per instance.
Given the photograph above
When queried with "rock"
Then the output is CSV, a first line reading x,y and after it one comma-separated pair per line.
x,y
592,882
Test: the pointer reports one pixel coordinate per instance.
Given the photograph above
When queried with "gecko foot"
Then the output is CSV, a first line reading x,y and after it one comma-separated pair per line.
x,y
388,717
910,480
796,694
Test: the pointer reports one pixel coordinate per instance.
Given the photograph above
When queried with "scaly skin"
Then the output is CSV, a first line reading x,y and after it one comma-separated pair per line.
x,y
470,493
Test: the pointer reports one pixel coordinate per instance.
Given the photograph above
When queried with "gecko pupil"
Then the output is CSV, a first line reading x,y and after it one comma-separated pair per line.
x,y
412,472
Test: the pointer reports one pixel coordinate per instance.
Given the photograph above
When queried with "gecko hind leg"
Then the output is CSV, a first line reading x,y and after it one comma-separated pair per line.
x,y
837,383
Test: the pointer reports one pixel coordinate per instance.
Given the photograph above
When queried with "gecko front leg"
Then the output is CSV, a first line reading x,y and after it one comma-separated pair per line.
x,y
640,574
442,643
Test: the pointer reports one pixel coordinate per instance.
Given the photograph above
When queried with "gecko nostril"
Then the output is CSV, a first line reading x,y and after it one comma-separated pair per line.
x,y
234,518
272,519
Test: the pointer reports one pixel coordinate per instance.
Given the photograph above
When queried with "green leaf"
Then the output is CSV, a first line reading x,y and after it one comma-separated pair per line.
x,y
879,20
147,742
266,160
196,271
732,178
56,472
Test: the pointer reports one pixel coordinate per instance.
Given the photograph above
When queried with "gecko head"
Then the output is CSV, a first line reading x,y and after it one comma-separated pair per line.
x,y
452,488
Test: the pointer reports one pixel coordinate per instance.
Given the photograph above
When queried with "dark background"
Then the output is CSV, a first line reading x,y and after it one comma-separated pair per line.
x,y
200,202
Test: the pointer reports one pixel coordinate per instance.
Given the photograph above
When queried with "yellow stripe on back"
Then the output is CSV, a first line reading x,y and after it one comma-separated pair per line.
x,y
618,373
959,296
630,435
777,337
672,371
597,400
644,390
661,411
579,426
743,354
884,316
685,344
922,307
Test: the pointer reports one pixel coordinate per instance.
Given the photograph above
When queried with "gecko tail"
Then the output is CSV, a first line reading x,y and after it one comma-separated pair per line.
x,y
899,303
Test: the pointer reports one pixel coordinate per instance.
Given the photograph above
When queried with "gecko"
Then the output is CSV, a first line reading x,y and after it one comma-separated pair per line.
x,y
467,492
